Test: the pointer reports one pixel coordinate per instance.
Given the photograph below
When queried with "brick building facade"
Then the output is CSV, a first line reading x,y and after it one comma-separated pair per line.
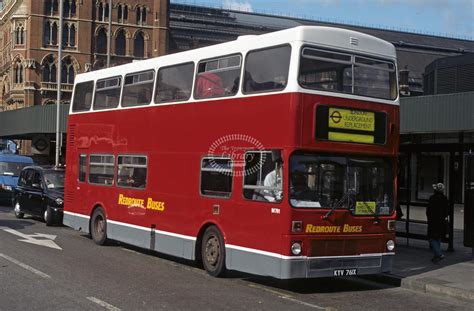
x,y
29,38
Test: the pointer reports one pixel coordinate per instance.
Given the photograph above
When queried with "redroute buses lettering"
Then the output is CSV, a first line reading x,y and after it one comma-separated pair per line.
x,y
150,203
332,229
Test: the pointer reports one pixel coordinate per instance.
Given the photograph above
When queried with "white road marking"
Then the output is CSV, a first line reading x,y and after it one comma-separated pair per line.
x,y
25,266
288,297
37,238
104,304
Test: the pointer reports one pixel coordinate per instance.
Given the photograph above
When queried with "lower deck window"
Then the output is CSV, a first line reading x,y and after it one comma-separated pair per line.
x,y
216,177
132,171
101,169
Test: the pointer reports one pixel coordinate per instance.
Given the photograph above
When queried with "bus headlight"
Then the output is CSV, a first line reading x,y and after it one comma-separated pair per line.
x,y
390,245
296,248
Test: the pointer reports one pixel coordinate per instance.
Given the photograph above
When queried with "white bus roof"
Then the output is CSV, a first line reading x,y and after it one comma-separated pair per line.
x,y
336,38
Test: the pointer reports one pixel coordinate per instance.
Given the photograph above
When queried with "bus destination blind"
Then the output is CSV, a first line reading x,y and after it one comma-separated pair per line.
x,y
350,125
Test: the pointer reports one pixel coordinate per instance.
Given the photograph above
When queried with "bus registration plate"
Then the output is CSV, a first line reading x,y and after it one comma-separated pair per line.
x,y
345,272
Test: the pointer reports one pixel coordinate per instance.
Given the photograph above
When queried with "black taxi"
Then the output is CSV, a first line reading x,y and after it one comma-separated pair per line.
x,y
40,192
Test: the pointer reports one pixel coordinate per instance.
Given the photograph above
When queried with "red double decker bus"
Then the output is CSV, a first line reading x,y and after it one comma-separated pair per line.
x,y
273,154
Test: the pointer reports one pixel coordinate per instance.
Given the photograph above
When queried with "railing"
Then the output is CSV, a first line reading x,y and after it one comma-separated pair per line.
x,y
53,86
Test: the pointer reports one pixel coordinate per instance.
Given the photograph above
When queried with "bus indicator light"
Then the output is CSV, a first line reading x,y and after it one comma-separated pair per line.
x,y
296,226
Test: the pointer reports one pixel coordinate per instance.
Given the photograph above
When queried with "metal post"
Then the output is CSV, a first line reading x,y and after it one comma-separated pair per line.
x,y
59,71
109,36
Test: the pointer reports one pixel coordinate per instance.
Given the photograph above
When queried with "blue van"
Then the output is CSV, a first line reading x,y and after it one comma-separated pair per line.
x,y
10,168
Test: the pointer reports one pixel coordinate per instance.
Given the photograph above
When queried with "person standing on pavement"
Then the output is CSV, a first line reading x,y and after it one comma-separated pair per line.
x,y
436,213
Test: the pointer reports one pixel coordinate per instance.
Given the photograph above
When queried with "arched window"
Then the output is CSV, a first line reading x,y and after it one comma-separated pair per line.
x,y
22,35
65,40
106,11
122,13
72,35
139,45
120,43
101,11
54,34
101,41
138,13
46,33
67,72
125,13
18,72
49,69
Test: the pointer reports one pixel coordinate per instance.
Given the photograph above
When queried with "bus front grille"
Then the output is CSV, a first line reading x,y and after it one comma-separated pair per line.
x,y
346,246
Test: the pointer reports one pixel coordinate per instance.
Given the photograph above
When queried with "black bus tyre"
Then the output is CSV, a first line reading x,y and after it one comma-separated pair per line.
x,y
213,252
17,210
48,216
99,227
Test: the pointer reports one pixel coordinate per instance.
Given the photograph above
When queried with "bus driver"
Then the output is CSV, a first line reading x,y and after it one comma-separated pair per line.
x,y
274,180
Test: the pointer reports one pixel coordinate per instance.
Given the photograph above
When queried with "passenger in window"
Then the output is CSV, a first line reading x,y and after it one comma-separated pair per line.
x,y
274,180
209,85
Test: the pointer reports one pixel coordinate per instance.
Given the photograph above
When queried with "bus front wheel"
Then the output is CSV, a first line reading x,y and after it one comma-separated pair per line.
x,y
99,227
213,252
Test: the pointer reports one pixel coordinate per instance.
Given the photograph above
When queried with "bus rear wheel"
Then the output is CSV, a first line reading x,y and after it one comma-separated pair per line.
x,y
213,252
99,227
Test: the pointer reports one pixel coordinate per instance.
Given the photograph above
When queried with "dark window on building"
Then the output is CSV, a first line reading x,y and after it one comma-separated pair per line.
x,y
101,41
120,43
53,73
67,74
122,13
174,83
65,40
101,12
82,168
218,77
107,93
267,69
141,15
83,96
73,8
263,177
66,8
18,72
216,177
101,169
54,34
132,171
47,34
72,35
20,35
138,89
139,45
46,73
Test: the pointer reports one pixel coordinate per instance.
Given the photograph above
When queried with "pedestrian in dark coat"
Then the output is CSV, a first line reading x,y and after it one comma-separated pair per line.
x,y
436,213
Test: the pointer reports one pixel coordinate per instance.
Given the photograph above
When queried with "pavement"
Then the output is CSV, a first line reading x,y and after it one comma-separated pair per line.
x,y
452,277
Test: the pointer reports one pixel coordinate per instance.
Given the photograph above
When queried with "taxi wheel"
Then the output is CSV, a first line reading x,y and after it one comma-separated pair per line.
x,y
98,227
213,252
17,209
48,216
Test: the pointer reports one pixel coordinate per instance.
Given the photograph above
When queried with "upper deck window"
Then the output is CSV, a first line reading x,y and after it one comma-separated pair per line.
x,y
218,77
346,73
83,96
138,89
174,83
267,69
107,93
